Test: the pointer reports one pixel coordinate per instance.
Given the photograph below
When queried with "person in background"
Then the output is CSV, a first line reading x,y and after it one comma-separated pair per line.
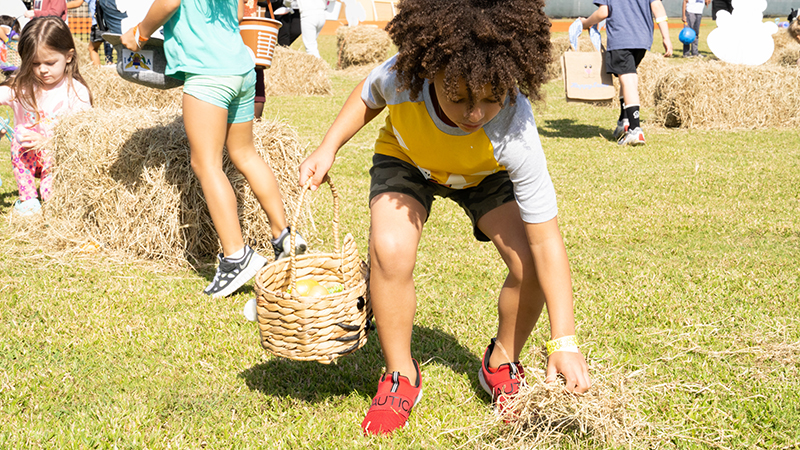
x,y
629,29
288,13
692,14
720,5
43,8
95,38
218,92
312,19
47,86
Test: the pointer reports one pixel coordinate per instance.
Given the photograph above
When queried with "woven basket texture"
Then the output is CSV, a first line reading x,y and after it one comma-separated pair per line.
x,y
315,328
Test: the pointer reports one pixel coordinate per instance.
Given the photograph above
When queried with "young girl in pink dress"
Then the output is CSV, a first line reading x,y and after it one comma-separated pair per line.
x,y
47,86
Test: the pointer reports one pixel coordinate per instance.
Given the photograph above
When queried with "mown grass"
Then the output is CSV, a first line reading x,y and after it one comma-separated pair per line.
x,y
685,262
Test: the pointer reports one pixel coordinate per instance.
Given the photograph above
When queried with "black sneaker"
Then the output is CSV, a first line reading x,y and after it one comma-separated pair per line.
x,y
231,275
282,244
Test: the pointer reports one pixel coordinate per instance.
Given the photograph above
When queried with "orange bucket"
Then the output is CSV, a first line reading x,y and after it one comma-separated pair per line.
x,y
260,35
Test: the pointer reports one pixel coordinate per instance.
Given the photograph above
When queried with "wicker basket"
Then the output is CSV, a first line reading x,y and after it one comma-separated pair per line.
x,y
315,328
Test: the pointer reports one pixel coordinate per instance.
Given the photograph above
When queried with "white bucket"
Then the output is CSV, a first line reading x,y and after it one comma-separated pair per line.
x,y
260,35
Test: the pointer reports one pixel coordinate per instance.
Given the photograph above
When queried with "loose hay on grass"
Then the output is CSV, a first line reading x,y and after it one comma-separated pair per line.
x,y
123,180
359,45
545,415
297,73
722,96
109,90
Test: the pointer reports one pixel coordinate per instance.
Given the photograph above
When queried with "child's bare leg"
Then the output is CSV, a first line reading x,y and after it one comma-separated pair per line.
x,y
521,298
206,127
93,54
396,227
629,84
259,175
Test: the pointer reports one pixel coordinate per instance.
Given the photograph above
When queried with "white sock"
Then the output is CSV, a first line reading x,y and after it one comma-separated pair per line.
x,y
236,256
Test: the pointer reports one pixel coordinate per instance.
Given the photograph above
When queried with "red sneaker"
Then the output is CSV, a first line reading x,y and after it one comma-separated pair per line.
x,y
392,405
501,383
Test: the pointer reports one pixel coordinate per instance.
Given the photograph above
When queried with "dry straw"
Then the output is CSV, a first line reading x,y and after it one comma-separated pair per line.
x,y
297,73
545,415
717,95
109,90
123,182
360,45
787,50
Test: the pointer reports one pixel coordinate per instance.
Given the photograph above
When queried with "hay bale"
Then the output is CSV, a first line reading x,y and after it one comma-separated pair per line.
x,y
359,45
123,180
297,73
109,90
787,50
650,70
718,95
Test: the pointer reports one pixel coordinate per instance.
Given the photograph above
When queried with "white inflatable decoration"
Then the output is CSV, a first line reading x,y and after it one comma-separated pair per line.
x,y
354,12
742,37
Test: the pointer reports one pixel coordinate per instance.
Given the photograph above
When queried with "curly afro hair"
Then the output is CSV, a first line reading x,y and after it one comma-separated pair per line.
x,y
505,43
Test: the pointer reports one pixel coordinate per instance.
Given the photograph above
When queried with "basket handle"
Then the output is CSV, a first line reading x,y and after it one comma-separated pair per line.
x,y
336,245
271,14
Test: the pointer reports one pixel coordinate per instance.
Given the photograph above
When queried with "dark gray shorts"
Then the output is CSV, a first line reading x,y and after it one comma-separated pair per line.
x,y
390,174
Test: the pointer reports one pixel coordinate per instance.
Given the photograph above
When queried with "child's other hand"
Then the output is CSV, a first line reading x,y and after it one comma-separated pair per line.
x,y
29,139
667,46
316,167
574,369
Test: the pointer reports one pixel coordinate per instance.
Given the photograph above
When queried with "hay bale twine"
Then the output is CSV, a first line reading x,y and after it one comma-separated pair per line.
x,y
297,73
362,44
123,179
718,95
109,90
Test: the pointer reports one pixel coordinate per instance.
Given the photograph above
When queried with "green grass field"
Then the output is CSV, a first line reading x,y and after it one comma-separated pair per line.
x,y
685,256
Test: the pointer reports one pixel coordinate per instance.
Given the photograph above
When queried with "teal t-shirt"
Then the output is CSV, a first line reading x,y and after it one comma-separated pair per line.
x,y
202,37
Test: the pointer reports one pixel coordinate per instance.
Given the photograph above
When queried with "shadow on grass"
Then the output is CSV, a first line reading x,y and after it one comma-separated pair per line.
x,y
8,198
314,382
572,129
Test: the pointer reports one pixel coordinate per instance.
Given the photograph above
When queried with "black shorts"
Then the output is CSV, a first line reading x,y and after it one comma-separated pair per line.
x,y
390,174
623,61
96,35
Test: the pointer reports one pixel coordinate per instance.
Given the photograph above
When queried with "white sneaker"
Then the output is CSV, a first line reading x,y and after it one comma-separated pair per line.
x,y
250,310
632,137
28,207
231,275
283,244
622,127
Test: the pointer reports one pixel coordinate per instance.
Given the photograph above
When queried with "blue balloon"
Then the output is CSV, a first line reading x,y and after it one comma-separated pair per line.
x,y
687,35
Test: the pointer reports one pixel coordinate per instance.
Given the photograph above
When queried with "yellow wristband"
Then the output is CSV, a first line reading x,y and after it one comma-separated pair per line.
x,y
562,344
661,19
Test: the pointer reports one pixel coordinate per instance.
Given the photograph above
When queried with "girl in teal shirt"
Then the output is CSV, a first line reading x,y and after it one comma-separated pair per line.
x,y
204,48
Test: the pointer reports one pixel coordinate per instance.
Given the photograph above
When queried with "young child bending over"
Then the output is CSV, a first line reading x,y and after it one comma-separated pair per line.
x,y
47,86
460,126
204,48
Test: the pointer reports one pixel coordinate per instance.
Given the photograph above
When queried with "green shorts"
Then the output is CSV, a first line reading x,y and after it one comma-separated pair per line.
x,y
236,93
390,174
